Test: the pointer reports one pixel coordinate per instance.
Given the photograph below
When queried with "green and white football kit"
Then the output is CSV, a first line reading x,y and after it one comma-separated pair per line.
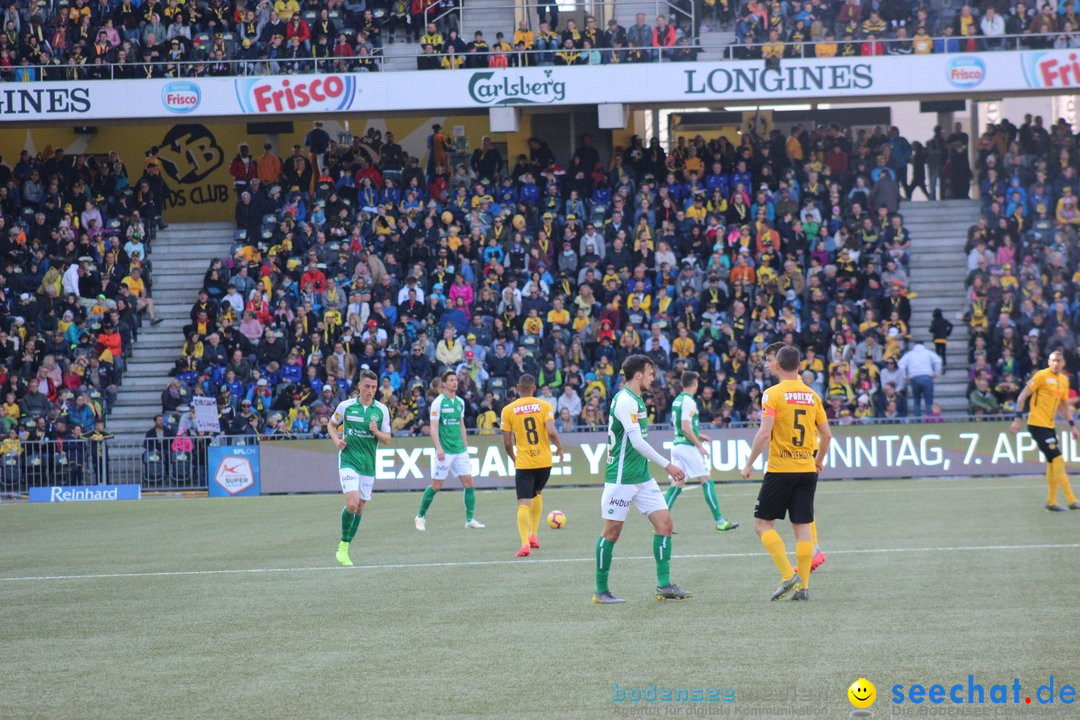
x,y
449,415
684,453
627,481
356,463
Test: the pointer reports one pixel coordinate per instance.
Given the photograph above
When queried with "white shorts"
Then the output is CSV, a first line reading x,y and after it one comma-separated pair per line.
x,y
690,461
456,464
617,499
352,481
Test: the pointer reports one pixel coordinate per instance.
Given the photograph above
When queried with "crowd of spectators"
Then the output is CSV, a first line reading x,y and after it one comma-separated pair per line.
x,y
548,44
844,28
75,235
558,263
74,39
1023,260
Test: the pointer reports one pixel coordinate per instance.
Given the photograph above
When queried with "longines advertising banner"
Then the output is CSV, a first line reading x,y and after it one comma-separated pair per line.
x,y
806,79
858,452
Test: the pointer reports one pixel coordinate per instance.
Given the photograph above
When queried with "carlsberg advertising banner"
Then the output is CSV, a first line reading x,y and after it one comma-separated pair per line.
x,y
270,96
858,452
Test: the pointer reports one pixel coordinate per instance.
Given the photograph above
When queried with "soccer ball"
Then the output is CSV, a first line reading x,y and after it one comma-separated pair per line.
x,y
556,519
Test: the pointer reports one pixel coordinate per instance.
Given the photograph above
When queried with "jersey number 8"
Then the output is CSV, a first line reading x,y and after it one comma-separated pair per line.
x,y
531,435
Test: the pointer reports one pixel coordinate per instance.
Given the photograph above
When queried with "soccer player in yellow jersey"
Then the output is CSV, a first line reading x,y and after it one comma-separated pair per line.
x,y
796,431
1049,393
816,366
528,428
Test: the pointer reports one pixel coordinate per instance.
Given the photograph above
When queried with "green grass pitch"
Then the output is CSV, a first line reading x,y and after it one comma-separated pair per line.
x,y
199,608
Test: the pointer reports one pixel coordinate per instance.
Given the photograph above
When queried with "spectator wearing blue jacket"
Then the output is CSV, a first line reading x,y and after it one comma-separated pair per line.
x,y
81,413
900,156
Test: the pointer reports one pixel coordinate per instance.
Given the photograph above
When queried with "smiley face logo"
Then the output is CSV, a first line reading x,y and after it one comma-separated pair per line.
x,y
862,693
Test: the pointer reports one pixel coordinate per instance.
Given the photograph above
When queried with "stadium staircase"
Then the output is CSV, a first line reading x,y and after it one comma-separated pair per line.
x,y
714,43
179,257
489,16
938,234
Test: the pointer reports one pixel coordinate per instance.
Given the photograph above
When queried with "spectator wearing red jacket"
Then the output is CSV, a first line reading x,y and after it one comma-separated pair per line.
x,y
315,276
663,35
243,168
298,28
872,47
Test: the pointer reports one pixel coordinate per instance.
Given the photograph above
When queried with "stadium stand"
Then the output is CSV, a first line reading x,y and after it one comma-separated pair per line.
x,y
81,39
559,266
1023,267
76,236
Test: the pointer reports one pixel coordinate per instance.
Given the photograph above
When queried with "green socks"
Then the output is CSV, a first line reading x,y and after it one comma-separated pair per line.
x,y
350,523
661,549
425,502
470,503
672,495
709,488
604,550
429,497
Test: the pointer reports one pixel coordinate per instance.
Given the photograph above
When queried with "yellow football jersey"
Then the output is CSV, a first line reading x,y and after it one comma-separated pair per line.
x,y
527,418
1048,389
798,412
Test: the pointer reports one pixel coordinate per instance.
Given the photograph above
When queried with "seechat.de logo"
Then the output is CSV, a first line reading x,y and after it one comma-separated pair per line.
x,y
181,97
965,72
276,95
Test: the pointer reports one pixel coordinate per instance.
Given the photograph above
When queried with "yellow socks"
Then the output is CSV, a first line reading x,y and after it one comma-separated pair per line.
x,y
813,534
537,512
1058,467
804,553
523,519
1051,482
775,547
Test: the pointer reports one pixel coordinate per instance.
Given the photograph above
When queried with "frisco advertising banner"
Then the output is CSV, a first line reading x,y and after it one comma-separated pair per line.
x,y
858,452
742,80
85,493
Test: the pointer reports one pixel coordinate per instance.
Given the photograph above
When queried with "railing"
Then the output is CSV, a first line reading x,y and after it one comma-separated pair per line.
x,y
597,10
177,464
536,57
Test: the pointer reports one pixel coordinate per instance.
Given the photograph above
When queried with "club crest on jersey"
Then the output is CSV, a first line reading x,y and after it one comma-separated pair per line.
x,y
799,398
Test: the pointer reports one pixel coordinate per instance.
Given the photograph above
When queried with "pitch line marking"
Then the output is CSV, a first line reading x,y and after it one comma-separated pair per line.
x,y
534,561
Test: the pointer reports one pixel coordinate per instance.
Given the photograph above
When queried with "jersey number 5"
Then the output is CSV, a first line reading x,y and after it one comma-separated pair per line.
x,y
798,440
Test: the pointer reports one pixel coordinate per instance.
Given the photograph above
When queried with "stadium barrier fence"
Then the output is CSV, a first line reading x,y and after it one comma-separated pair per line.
x,y
964,446
231,67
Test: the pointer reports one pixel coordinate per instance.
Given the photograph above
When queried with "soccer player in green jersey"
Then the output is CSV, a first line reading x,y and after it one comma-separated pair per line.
x,y
688,451
357,427
447,429
627,482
